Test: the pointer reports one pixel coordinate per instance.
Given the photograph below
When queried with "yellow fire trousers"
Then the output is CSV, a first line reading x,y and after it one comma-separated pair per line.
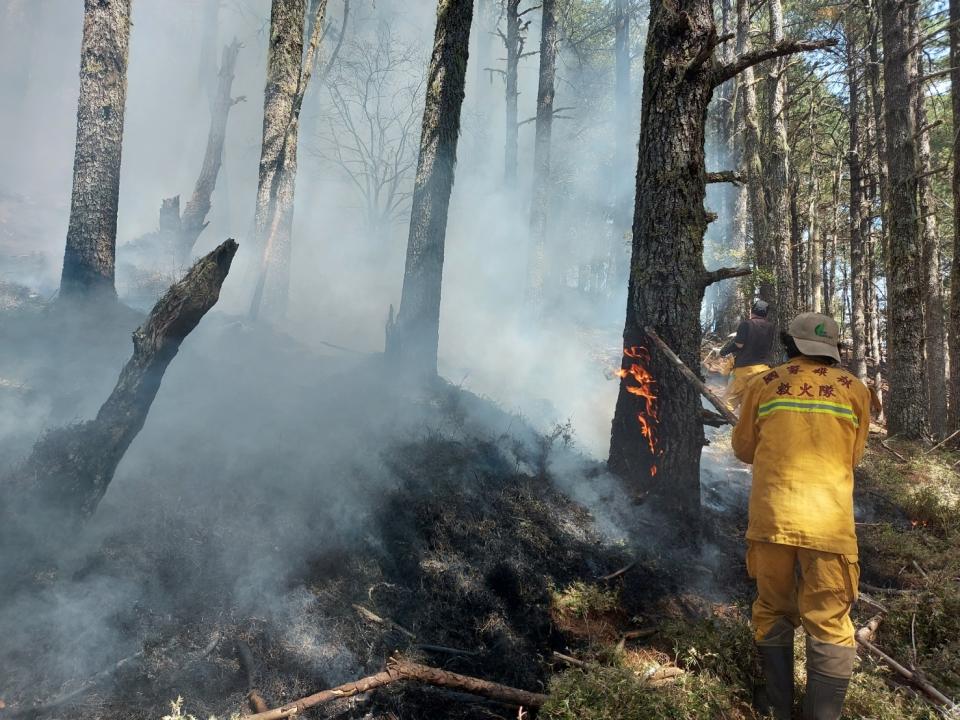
x,y
738,382
809,587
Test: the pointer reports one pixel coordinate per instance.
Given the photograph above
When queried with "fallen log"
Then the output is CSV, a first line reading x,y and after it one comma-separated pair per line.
x,y
399,669
691,376
70,468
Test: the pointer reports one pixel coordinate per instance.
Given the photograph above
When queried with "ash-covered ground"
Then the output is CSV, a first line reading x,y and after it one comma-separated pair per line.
x,y
275,488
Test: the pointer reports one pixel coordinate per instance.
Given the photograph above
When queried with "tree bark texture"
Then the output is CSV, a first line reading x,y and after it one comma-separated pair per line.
x,y
540,192
859,223
777,167
273,220
414,338
906,404
933,300
955,263
70,468
194,218
656,435
90,256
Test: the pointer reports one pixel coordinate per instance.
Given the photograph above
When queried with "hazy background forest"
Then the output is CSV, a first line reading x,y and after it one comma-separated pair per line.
x,y
292,508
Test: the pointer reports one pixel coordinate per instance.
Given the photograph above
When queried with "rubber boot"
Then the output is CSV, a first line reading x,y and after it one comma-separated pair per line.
x,y
829,668
776,656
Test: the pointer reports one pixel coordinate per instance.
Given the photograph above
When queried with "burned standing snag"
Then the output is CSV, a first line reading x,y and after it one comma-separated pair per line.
x,y
70,468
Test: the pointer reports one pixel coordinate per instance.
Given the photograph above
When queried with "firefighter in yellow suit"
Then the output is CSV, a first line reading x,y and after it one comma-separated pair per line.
x,y
803,427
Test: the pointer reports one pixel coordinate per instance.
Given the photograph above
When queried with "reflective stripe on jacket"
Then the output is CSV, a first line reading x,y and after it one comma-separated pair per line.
x,y
803,426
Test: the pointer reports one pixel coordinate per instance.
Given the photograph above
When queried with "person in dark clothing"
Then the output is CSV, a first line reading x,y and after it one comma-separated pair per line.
x,y
751,348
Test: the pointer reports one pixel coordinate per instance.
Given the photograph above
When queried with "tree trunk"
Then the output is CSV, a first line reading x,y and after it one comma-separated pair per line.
x,y
657,436
764,258
778,175
955,263
933,300
859,224
514,46
413,339
906,406
70,468
273,221
195,213
730,292
540,193
624,149
90,255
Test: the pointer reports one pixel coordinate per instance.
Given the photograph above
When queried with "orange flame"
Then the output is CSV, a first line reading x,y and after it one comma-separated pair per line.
x,y
643,386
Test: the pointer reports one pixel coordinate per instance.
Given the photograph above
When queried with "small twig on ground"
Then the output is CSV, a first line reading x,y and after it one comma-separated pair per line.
x,y
886,591
891,450
617,573
867,600
373,617
570,660
920,570
640,633
446,650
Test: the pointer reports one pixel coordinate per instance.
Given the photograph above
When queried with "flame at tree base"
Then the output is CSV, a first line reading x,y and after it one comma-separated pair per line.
x,y
639,381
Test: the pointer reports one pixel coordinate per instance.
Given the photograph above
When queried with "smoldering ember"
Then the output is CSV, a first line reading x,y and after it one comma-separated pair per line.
x,y
406,359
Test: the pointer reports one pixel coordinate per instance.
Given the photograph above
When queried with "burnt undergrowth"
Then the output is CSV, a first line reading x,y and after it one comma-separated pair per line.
x,y
274,491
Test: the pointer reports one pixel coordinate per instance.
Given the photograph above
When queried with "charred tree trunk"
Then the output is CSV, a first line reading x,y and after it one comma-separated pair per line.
x,y
513,41
413,339
933,300
656,436
194,218
906,406
273,221
764,257
859,224
208,48
90,256
70,468
955,264
778,175
540,194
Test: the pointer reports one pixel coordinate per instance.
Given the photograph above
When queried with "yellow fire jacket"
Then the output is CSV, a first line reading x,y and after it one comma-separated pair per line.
x,y
803,426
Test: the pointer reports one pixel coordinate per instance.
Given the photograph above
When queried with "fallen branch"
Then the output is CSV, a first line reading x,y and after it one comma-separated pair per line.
x,y
891,450
398,669
249,668
721,406
886,591
443,649
943,442
911,676
866,633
